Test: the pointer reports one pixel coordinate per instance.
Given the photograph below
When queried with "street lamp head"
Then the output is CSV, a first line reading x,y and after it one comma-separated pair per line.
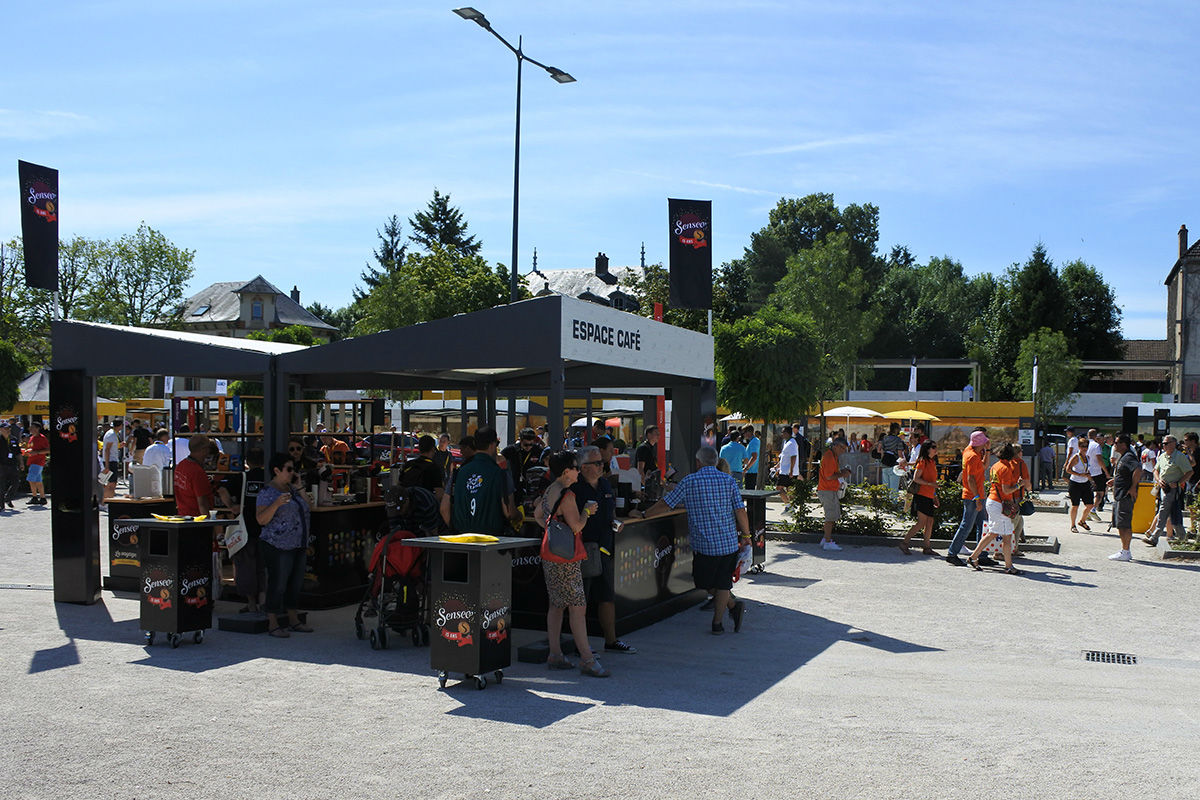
x,y
559,75
475,16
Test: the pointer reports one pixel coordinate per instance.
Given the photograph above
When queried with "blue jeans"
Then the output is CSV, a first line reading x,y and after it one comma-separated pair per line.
x,y
892,481
285,576
970,518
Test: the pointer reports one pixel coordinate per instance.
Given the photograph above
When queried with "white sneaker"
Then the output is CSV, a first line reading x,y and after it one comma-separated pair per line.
x,y
1121,555
830,545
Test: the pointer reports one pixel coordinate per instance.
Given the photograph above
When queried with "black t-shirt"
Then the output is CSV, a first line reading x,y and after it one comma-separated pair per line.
x,y
421,471
1123,475
599,526
254,478
141,438
647,453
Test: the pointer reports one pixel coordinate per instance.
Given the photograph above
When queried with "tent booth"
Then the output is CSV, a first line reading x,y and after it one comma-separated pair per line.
x,y
555,346
82,352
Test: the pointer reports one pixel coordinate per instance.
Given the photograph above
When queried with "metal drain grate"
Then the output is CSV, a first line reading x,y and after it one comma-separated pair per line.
x,y
1104,657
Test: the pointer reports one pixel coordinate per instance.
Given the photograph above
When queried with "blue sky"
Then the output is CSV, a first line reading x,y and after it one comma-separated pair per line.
x,y
276,137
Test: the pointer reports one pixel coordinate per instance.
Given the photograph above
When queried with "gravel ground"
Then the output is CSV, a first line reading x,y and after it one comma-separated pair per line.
x,y
858,674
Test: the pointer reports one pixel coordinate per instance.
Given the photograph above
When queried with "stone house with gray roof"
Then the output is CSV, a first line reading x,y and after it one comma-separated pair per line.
x,y
237,308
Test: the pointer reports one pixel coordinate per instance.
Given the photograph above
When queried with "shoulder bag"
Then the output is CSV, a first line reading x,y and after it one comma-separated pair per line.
x,y
560,544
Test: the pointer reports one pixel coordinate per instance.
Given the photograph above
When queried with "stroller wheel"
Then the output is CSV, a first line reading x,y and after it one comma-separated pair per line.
x,y
383,638
374,640
359,631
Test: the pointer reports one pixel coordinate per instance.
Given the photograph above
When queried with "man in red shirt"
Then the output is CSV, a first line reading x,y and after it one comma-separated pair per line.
x,y
828,486
193,489
35,463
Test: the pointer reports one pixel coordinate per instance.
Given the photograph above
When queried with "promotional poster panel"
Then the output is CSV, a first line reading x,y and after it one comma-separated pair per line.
x,y
39,224
691,253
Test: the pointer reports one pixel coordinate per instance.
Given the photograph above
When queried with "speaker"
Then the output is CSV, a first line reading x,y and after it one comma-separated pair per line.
x,y
1129,420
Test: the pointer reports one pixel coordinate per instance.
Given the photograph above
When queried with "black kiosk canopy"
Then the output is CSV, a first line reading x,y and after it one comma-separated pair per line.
x,y
555,345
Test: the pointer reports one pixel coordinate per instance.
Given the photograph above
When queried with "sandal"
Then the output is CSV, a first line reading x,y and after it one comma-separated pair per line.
x,y
559,662
904,548
1074,529
929,551
594,669
1084,525
300,627
974,562
280,632
1013,571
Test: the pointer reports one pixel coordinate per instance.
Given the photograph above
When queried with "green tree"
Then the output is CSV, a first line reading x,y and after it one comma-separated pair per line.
x,y
653,285
442,225
13,368
123,387
432,285
344,319
765,362
820,285
19,324
795,225
292,334
1059,372
1091,317
389,256
143,283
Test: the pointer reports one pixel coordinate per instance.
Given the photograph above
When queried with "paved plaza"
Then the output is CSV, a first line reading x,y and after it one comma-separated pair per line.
x,y
859,674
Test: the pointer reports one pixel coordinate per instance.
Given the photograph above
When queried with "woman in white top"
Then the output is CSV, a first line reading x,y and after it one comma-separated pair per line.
x,y
1079,487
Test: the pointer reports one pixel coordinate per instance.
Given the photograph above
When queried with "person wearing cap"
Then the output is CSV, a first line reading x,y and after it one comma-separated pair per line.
x,y
972,494
827,489
10,460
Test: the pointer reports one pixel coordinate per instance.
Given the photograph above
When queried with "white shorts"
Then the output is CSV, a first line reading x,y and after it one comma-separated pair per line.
x,y
1001,525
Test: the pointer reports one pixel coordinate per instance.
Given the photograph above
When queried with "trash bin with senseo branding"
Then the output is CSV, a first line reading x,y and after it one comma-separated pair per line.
x,y
756,512
470,605
124,564
177,577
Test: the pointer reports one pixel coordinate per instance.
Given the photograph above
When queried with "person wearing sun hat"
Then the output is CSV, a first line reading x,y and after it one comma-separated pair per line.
x,y
972,493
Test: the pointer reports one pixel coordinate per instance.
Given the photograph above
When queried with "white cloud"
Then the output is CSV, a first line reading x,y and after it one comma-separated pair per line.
x,y
24,125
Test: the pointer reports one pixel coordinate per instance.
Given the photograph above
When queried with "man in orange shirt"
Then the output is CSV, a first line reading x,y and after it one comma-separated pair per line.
x,y
972,494
827,489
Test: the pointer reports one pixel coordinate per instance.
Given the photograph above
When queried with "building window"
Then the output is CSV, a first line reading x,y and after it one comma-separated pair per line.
x,y
201,311
256,310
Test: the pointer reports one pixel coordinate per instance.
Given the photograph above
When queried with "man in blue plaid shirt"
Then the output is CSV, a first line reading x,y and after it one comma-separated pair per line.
x,y
716,515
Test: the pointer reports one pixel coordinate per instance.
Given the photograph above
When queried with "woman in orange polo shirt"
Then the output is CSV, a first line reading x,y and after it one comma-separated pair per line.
x,y
925,500
1006,479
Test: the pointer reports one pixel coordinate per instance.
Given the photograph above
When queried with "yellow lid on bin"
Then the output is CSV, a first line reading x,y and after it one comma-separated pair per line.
x,y
469,538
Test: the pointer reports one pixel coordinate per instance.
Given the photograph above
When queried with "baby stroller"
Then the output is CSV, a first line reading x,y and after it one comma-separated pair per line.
x,y
395,598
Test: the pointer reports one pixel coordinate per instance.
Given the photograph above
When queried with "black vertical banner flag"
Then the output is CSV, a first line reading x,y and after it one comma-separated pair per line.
x,y
39,224
691,253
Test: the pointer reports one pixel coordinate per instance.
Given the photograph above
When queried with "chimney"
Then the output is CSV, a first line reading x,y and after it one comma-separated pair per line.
x,y
1183,245
295,294
602,269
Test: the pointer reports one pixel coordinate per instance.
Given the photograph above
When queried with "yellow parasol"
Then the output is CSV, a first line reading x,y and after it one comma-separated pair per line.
x,y
911,413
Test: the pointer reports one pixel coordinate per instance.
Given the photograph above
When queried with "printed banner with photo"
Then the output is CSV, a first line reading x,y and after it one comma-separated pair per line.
x,y
691,253
39,224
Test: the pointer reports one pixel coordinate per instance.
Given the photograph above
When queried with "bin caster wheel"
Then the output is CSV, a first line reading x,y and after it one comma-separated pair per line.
x,y
499,676
198,637
480,682
174,640
374,637
416,637
442,679
149,638
359,631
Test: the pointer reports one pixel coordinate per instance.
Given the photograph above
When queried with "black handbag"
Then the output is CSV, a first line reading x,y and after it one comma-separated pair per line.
x,y
590,567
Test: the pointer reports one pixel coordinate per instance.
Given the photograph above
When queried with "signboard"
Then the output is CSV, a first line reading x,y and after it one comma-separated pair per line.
x,y
1026,433
691,253
39,224
601,335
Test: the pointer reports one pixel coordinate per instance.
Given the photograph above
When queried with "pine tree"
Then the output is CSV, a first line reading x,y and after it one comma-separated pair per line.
x,y
389,256
442,224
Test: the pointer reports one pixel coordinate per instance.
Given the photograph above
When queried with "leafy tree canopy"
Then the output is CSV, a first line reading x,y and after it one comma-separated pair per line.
x,y
764,364
292,334
1058,372
13,369
389,255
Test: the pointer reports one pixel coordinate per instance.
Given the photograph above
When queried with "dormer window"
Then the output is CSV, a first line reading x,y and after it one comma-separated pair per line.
x,y
201,311
256,310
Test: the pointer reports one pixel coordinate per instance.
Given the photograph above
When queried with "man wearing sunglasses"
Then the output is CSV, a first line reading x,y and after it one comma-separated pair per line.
x,y
521,456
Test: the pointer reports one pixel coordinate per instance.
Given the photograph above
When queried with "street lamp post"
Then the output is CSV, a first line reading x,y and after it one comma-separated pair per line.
x,y
557,74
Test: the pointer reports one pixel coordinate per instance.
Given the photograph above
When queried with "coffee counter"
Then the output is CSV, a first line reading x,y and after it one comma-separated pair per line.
x,y
652,575
340,546
124,562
